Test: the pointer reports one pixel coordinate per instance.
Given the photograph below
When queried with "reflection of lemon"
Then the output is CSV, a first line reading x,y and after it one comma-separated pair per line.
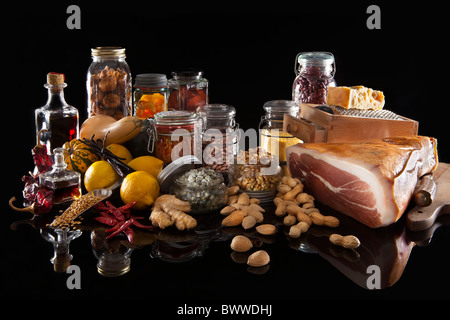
x,y
100,175
120,151
139,186
149,164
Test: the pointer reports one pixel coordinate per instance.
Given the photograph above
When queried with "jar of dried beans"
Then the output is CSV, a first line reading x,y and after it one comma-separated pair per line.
x,y
220,134
187,90
175,134
109,83
315,72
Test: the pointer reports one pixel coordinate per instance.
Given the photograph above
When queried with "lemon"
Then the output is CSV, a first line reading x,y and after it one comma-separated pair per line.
x,y
139,186
100,175
149,164
120,151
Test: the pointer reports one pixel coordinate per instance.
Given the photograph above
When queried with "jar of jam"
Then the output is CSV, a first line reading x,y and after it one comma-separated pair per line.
x,y
315,74
220,136
150,95
272,137
109,83
187,90
175,134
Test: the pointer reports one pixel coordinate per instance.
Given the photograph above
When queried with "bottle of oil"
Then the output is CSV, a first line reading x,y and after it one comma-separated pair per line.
x,y
57,117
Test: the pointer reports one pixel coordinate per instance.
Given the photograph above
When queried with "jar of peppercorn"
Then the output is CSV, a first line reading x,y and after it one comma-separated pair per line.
x,y
175,134
187,90
315,72
150,95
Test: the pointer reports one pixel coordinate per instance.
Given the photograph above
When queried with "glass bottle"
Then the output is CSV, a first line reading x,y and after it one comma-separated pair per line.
x,y
109,83
272,137
187,90
315,74
59,119
64,183
150,95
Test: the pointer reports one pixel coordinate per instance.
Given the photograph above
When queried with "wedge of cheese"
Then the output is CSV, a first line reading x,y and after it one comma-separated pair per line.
x,y
356,97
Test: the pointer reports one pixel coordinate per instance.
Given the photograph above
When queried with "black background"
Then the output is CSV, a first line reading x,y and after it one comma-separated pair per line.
x,y
247,52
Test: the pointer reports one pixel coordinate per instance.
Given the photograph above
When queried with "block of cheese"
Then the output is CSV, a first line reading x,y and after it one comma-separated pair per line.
x,y
356,97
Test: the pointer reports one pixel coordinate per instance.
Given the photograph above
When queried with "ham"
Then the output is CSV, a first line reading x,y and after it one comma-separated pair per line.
x,y
370,181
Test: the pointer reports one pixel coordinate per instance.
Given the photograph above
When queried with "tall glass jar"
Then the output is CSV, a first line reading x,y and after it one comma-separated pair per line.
x,y
109,83
220,138
187,90
175,134
272,137
150,95
315,72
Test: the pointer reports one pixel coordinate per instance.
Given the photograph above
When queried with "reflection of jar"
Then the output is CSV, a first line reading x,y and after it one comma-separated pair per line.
x,y
174,134
273,138
314,75
150,95
109,83
220,136
187,90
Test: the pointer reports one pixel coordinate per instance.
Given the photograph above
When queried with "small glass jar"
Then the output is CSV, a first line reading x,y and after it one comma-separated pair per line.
x,y
272,137
175,134
220,138
150,95
203,188
109,83
187,90
314,75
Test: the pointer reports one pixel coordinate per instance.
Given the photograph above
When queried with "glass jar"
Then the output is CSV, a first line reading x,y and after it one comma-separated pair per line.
x,y
220,140
315,74
109,83
175,134
187,90
272,137
150,95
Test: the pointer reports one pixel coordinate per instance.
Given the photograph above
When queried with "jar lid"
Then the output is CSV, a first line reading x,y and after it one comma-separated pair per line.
x,y
188,74
315,58
216,110
150,80
108,52
281,106
176,118
172,170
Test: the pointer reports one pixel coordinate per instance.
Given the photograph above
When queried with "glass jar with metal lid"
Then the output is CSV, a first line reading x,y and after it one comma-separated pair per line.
x,y
187,90
220,136
109,83
315,72
272,137
175,134
150,94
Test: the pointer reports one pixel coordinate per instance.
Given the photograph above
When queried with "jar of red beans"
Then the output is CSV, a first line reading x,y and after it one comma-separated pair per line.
x,y
175,134
187,90
315,72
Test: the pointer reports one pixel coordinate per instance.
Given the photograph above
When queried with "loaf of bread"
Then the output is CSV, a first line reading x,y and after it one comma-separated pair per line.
x,y
356,97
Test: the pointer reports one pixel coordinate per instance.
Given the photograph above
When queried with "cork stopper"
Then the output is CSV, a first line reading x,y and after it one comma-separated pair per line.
x,y
55,79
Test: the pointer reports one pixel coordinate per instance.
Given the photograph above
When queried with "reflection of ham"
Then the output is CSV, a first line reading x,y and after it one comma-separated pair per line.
x,y
370,181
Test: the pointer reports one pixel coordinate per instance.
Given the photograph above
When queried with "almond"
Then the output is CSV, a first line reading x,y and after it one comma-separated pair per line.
x,y
234,219
258,259
266,229
241,244
248,222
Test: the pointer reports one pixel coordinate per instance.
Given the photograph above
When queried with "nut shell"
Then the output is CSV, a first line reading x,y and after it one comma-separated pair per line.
x,y
258,259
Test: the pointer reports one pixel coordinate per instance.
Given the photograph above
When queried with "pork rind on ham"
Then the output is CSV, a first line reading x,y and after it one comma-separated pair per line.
x,y
371,181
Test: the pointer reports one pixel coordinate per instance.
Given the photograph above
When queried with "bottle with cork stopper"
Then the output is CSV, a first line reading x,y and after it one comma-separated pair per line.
x,y
59,119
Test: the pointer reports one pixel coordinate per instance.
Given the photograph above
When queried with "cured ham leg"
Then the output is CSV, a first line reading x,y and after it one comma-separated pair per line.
x,y
371,181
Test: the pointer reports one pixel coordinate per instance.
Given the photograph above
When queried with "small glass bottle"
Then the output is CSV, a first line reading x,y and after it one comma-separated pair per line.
x,y
273,138
150,95
187,90
59,119
64,183
315,74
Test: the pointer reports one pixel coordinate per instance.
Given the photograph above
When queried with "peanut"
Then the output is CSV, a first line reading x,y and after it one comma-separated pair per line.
x,y
283,188
318,219
348,242
241,243
296,230
258,259
293,193
289,220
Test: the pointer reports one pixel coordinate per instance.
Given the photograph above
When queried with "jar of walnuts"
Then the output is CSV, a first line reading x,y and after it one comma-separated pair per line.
x,y
109,83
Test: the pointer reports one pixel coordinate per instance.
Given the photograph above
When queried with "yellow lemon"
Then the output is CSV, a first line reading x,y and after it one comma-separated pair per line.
x,y
139,186
100,175
149,164
120,151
